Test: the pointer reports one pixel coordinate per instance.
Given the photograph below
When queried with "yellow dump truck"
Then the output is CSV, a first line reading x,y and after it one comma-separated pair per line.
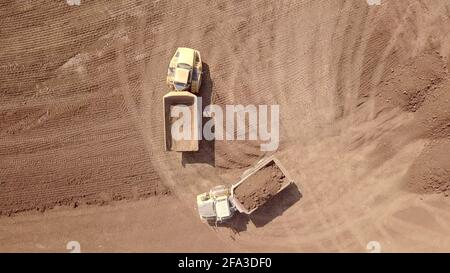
x,y
256,186
184,80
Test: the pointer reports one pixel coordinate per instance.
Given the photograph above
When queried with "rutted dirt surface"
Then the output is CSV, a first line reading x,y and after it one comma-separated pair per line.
x,y
143,226
364,95
260,187
409,85
68,134
431,171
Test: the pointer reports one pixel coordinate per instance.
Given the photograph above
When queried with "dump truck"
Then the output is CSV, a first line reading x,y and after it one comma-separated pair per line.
x,y
256,186
185,70
184,81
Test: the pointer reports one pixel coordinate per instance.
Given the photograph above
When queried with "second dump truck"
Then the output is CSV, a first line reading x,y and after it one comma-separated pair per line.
x,y
256,186
184,80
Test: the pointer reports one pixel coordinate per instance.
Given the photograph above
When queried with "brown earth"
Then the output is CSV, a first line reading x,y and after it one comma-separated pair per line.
x,y
260,186
144,225
364,96
410,84
431,171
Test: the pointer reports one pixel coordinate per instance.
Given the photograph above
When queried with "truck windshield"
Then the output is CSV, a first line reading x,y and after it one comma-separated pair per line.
x,y
185,66
180,85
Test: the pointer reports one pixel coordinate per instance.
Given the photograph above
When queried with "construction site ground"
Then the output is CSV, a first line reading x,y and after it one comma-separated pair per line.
x,y
364,95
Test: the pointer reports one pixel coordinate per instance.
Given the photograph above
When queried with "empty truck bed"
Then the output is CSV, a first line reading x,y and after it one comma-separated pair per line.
x,y
180,99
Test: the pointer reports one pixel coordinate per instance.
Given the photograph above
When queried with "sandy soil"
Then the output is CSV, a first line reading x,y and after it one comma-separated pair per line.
x,y
364,97
260,187
144,226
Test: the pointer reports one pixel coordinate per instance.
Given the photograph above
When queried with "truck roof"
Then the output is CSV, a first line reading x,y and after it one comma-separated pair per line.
x,y
181,75
223,208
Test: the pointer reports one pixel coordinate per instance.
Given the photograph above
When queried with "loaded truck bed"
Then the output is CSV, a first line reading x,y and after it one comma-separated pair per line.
x,y
259,184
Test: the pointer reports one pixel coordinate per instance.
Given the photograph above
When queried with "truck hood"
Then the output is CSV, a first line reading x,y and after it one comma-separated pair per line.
x,y
186,56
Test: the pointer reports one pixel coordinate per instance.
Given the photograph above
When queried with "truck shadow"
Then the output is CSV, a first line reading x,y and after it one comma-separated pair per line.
x,y
206,152
275,207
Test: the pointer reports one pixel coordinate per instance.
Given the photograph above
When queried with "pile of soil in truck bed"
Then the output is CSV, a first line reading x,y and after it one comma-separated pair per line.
x,y
260,186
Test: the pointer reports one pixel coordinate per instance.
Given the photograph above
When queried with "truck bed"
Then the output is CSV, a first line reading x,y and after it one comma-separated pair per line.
x,y
261,183
189,100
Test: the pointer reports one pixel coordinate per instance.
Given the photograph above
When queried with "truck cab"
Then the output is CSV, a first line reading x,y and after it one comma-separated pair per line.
x,y
215,205
185,70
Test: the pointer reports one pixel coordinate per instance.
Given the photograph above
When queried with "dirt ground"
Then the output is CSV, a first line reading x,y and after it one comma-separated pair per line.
x,y
144,225
364,95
